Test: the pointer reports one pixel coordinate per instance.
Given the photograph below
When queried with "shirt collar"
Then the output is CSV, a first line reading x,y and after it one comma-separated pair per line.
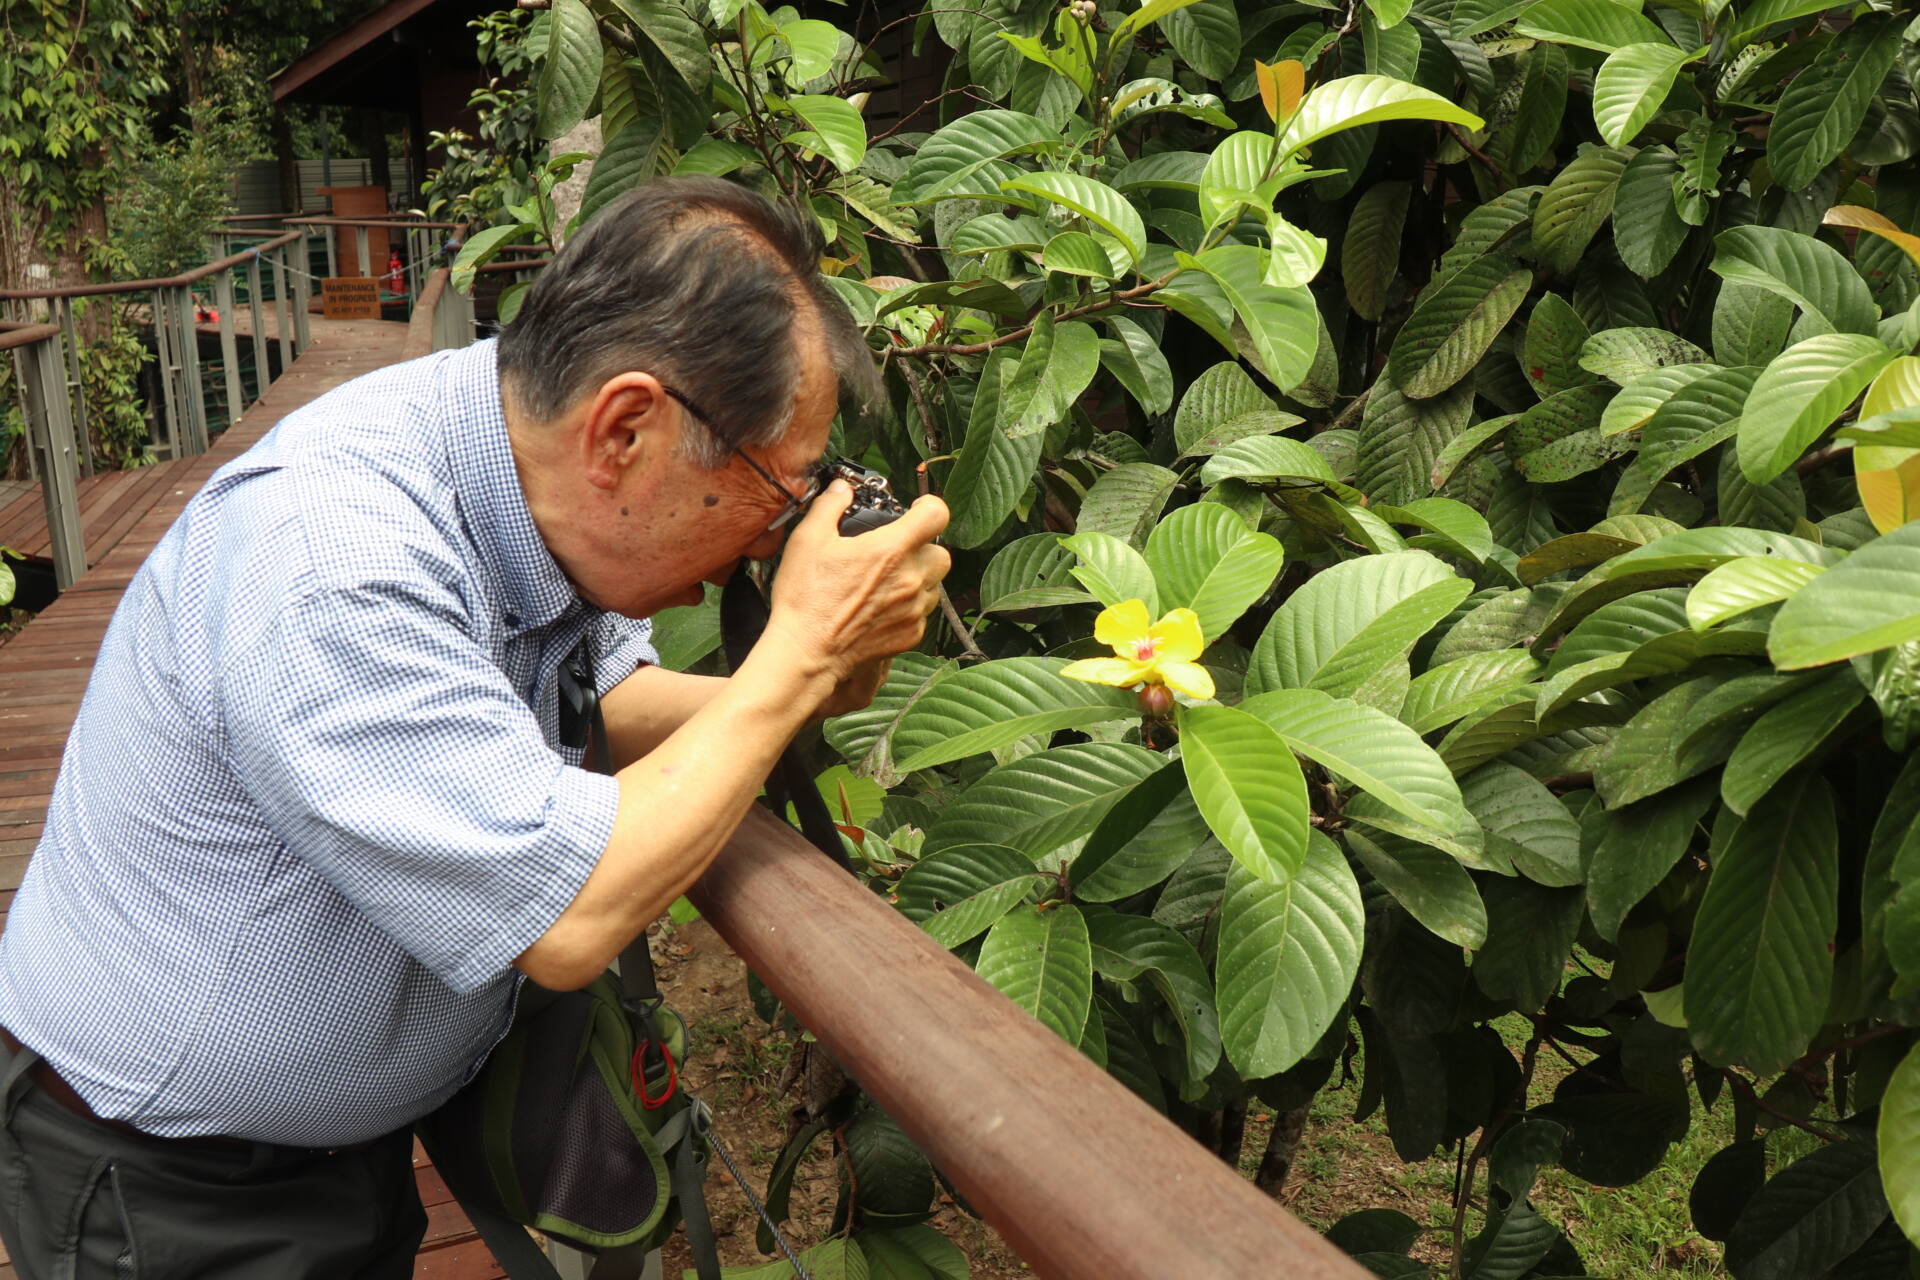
x,y
535,590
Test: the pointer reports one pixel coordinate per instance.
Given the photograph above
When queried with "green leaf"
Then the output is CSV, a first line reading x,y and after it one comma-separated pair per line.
x,y
864,738
1784,736
1600,25
1128,947
1643,758
1691,420
1581,195
1134,358
1352,101
1757,17
1205,558
1075,253
482,247
838,131
1525,824
1042,960
1249,788
1289,954
997,461
682,41
1439,696
1171,170
1267,459
1899,1135
1810,1216
570,73
1223,393
1030,573
1824,106
1282,323
1452,326
1453,527
1370,251
1344,623
1403,441
1243,172
1368,749
1511,1242
958,893
1744,584
1626,355
835,1259
1760,964
1641,397
1647,228
628,159
1094,201
1868,602
1750,324
1632,84
1434,888
1638,846
1126,501
1038,803
1206,36
995,703
959,150
1146,836
1113,571
1147,14
938,1257
1807,272
1800,394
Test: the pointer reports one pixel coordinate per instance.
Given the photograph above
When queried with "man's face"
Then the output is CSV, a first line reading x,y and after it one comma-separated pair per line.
x,y
681,524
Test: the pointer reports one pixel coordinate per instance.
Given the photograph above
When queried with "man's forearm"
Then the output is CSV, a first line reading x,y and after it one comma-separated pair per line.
x,y
643,710
679,803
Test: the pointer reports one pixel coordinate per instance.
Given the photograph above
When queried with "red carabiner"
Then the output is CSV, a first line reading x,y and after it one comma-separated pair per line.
x,y
638,1073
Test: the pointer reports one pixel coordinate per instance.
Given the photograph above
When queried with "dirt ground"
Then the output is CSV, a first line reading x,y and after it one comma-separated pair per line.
x,y
737,1062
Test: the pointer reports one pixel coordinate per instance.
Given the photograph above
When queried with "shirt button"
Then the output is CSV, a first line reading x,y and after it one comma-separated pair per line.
x,y
511,619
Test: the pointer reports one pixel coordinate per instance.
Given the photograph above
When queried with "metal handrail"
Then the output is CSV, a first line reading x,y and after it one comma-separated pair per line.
x,y
40,370
185,278
1081,1177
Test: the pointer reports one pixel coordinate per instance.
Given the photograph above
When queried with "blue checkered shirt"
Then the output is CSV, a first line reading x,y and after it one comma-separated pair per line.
x,y
313,805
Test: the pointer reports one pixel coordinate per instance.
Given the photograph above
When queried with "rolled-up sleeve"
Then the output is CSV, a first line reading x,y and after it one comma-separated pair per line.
x,y
388,752
623,645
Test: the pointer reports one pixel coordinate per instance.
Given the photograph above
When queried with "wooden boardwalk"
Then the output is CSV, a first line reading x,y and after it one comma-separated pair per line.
x,y
44,669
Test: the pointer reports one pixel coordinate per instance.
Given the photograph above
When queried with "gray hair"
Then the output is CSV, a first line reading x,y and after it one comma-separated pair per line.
x,y
701,283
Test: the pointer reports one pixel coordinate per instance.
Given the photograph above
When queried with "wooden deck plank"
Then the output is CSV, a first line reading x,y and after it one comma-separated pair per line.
x,y
44,668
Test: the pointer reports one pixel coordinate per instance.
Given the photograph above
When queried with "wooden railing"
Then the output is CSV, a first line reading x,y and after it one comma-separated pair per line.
x,y
41,371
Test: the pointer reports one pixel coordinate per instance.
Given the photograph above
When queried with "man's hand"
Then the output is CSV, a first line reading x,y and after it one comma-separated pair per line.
x,y
842,606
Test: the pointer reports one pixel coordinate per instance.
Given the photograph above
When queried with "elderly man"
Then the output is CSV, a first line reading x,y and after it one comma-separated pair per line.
x,y
314,824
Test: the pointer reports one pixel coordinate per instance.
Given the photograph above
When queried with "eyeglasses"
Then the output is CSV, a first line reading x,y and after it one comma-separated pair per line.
x,y
792,506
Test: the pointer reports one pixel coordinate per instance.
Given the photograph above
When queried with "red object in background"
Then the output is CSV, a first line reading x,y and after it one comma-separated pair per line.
x,y
396,280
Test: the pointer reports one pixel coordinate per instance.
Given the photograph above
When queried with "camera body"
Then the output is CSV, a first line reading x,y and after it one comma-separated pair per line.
x,y
873,502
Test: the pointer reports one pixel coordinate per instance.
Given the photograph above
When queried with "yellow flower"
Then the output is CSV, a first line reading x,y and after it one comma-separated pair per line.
x,y
1161,653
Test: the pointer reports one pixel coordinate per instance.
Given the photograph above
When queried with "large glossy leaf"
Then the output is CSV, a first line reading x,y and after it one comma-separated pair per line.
x,y
835,128
1641,397
1241,174
1868,602
1267,459
995,703
1283,324
1342,624
1126,501
1899,1136
1043,962
1632,84
1550,355
996,462
627,160
864,738
1370,252
570,73
1810,1216
1799,396
1095,201
1249,788
1289,954
1134,357
1627,354
1784,736
1647,229
1149,834
1761,14
1205,558
1663,655
1452,326
1206,36
1370,750
1739,586
958,893
1127,948
1524,823
1807,272
1403,441
1112,570
958,150
1039,802
1760,964
1352,101
1439,696
1580,197
1030,573
1600,25
1638,847
1223,394
1434,888
1694,418
1824,106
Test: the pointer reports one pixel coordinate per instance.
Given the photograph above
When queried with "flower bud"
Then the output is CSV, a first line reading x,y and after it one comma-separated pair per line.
x,y
1156,701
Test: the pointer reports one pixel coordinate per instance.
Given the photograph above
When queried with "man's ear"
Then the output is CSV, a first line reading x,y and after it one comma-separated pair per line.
x,y
629,426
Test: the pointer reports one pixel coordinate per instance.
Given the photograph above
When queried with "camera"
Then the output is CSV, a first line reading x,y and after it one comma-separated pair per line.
x,y
873,502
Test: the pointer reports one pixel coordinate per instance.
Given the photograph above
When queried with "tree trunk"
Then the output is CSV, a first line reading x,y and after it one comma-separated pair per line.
x,y
289,170
1277,1161
373,138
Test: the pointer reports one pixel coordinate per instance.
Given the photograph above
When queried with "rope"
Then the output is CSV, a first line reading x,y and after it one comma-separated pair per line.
x,y
792,1259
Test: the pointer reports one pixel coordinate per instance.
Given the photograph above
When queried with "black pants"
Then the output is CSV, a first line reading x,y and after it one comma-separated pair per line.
x,y
80,1201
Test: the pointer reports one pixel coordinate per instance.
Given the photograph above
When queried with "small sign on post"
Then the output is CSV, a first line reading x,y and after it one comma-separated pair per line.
x,y
350,298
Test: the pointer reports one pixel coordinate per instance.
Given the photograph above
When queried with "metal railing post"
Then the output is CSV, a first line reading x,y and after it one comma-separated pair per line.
x,y
50,434
76,386
302,292
195,439
169,368
333,251
361,255
229,349
282,313
262,375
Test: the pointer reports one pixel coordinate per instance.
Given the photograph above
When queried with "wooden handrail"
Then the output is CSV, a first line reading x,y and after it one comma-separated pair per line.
x,y
169,282
1081,1177
410,224
420,324
13,334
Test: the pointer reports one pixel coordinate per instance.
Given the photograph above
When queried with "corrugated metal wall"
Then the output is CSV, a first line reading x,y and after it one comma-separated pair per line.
x,y
257,185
